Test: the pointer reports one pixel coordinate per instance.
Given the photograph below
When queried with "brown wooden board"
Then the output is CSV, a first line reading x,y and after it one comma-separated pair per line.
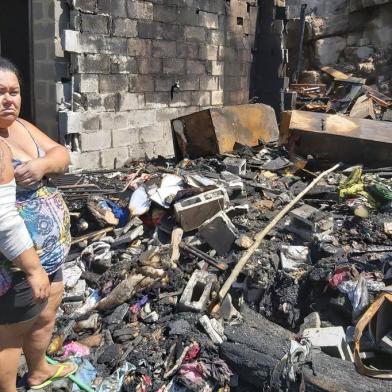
x,y
215,131
339,138
334,73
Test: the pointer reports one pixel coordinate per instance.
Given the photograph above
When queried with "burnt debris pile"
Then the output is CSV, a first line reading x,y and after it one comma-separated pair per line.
x,y
169,285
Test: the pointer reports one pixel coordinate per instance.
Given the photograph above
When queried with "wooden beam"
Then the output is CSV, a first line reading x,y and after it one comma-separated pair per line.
x,y
339,138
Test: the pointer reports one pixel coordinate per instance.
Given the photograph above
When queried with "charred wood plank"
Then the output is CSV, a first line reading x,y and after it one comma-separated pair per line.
x,y
254,348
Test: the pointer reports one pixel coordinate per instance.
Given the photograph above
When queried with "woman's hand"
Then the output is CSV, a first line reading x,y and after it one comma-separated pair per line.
x,y
39,283
30,172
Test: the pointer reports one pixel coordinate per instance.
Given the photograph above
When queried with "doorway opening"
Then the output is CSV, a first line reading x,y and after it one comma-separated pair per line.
x,y
16,45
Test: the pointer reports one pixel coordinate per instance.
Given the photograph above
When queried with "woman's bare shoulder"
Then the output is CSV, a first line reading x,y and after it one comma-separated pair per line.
x,y
25,124
39,136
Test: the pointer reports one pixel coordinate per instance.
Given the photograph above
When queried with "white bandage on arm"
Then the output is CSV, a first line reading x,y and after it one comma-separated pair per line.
x,y
14,237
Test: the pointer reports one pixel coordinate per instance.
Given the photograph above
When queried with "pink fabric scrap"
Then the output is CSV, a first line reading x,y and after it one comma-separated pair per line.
x,y
74,349
193,372
339,276
193,352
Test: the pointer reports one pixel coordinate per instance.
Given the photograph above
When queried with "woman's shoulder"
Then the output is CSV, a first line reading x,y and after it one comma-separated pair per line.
x,y
25,124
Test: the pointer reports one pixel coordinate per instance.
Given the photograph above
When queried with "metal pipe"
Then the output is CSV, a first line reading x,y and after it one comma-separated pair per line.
x,y
300,44
207,258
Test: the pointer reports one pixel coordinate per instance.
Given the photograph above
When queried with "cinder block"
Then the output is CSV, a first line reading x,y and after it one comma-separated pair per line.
x,y
140,9
113,158
96,141
123,64
227,53
86,83
208,52
216,98
130,101
63,94
137,151
215,68
147,65
74,21
181,99
90,121
214,6
158,30
125,137
69,122
232,83
235,165
85,5
173,66
165,13
113,7
307,221
201,98
188,15
90,63
141,83
237,97
233,68
152,150
139,47
153,133
232,183
195,67
113,83
219,232
166,114
124,27
111,120
331,340
71,41
142,118
91,43
162,48
209,83
187,50
192,212
209,20
109,102
157,100
197,292
85,160
98,24
195,34
215,37
165,149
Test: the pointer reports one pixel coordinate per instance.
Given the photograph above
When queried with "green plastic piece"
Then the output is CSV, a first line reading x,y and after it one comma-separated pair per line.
x,y
72,377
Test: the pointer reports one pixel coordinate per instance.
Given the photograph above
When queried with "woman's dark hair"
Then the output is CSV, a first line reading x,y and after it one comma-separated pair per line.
x,y
7,65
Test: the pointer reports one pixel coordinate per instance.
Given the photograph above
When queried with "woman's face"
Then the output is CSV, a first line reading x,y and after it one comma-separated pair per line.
x,y
10,99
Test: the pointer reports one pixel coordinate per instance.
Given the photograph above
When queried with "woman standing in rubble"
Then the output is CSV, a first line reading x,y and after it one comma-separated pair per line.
x,y
29,300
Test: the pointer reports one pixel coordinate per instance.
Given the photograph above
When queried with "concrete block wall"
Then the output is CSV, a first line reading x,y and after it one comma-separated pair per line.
x,y
52,83
43,30
126,56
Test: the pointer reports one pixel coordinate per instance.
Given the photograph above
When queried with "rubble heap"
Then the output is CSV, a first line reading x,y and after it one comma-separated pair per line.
x,y
154,243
